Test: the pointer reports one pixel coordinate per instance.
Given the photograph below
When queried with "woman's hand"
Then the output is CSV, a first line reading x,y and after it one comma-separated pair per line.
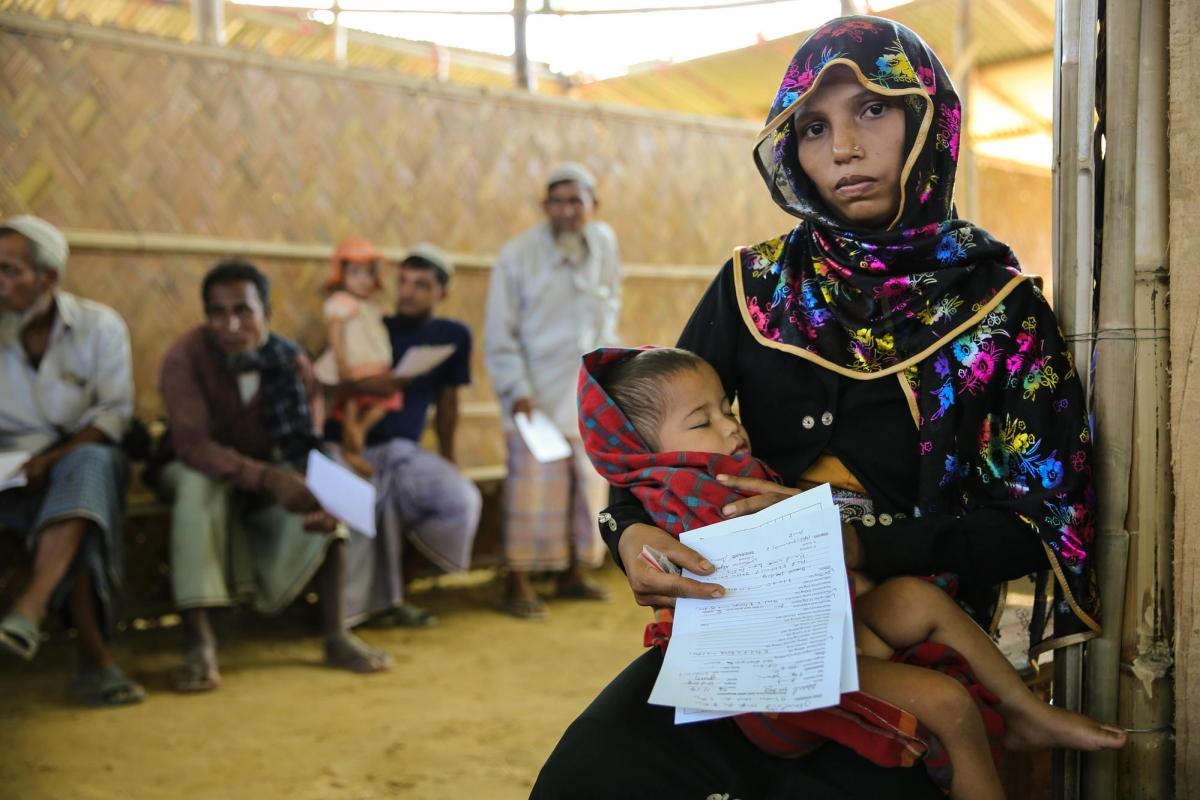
x,y
766,493
659,589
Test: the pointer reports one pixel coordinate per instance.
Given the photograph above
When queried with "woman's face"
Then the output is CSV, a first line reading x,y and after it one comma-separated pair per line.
x,y
850,142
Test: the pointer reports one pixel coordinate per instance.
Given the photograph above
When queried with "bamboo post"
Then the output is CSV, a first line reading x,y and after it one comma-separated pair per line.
x,y
522,75
339,36
1146,691
1184,132
964,71
1114,392
1074,195
210,21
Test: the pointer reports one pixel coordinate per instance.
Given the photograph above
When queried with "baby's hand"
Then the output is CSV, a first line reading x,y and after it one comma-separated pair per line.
x,y
862,583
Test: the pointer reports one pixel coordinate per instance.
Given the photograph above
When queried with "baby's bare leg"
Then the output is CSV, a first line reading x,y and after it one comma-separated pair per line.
x,y
945,708
905,611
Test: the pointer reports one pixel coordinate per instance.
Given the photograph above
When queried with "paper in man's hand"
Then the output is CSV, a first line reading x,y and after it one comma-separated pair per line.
x,y
421,358
340,492
542,437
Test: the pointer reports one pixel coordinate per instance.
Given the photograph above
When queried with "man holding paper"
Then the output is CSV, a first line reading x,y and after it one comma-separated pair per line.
x,y
243,410
66,398
555,294
424,500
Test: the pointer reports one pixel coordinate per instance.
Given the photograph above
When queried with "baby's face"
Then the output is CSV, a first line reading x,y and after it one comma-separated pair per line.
x,y
360,278
697,417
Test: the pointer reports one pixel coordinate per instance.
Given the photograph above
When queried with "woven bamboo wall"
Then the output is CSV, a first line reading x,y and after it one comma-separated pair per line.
x,y
111,131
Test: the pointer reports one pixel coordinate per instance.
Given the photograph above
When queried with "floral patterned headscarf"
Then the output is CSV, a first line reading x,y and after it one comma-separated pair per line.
x,y
868,303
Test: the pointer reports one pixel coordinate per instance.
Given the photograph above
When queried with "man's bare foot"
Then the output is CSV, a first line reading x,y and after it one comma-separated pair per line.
x,y
1042,726
347,651
198,672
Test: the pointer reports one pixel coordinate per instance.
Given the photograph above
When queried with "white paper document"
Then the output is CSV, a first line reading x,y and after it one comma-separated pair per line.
x,y
421,358
343,494
10,463
542,437
781,639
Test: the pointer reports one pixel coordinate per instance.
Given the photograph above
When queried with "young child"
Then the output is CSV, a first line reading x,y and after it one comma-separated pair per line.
x,y
657,421
359,346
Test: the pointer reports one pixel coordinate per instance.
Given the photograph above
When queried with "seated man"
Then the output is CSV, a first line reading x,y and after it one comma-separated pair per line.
x,y
66,397
423,498
243,412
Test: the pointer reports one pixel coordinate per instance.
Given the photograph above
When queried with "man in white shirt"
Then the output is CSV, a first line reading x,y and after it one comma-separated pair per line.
x,y
66,398
554,295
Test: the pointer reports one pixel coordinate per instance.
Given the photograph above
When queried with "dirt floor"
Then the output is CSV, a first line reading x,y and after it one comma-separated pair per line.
x,y
471,709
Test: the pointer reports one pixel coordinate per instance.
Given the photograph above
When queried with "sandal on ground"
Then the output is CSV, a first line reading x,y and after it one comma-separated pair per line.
x,y
521,608
582,589
402,616
410,616
107,686
192,677
19,635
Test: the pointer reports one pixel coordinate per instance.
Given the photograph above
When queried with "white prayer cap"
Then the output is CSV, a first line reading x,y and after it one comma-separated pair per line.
x,y
572,171
434,255
48,241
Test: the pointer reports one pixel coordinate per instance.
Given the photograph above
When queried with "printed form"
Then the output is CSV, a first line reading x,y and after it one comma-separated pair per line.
x,y
782,637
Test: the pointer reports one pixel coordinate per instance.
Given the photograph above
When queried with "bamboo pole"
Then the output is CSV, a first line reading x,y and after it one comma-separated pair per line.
x,y
1146,691
1114,392
963,75
521,73
210,21
1184,132
1074,193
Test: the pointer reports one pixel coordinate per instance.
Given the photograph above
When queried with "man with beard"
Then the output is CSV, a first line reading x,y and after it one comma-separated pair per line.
x,y
66,398
555,295
424,500
243,410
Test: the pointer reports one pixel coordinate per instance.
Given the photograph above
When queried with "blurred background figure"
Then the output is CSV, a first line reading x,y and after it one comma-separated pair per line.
x,y
555,294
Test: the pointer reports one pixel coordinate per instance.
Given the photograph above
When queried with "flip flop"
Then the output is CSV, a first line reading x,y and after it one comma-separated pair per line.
x,y
19,635
582,590
403,616
107,686
524,609
410,616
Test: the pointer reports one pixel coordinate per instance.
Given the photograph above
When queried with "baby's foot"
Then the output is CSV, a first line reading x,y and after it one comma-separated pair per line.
x,y
1042,726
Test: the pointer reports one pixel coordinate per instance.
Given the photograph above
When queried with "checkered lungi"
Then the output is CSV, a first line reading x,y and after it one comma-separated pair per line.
x,y
88,483
550,510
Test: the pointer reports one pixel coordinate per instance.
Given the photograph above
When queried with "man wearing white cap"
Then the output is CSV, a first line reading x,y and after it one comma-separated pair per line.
x,y
555,295
424,501
66,398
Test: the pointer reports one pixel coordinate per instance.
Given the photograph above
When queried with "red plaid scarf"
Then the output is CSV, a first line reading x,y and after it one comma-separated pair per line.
x,y
680,492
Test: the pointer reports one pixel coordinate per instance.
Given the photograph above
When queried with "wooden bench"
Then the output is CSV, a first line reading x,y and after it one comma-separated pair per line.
x,y
147,591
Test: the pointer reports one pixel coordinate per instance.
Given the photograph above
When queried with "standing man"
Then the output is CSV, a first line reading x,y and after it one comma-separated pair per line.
x,y
66,398
243,410
424,500
555,295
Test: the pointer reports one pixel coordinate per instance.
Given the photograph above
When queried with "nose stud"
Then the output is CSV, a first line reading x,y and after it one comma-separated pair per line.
x,y
856,149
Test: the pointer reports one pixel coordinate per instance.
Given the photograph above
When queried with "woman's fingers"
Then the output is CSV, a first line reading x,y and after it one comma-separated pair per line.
x,y
756,485
651,587
748,505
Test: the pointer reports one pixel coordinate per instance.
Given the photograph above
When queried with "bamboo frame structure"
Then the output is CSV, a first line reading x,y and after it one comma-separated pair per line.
x,y
1074,225
1114,393
1146,693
